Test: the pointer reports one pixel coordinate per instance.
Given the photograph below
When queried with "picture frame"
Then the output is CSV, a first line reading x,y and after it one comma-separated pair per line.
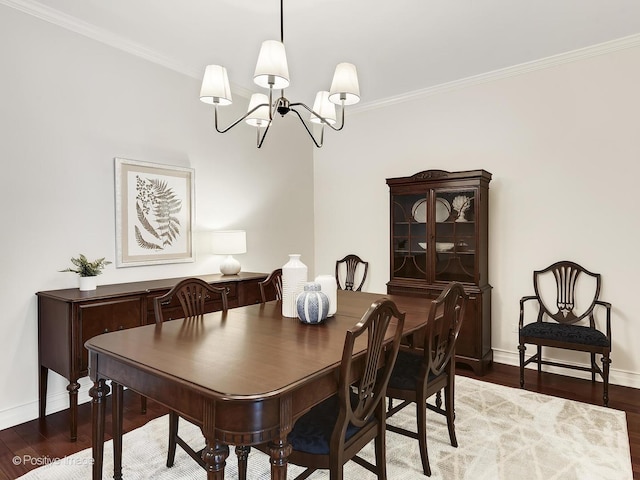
x,y
154,213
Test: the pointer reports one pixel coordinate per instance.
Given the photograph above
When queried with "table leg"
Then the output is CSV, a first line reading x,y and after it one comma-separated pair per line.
x,y
242,452
99,393
116,422
214,456
279,451
73,388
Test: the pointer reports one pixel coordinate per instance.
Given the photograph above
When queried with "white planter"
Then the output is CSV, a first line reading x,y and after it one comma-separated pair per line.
x,y
88,283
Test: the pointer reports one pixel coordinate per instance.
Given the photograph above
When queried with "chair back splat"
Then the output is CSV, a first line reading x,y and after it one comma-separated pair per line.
x,y
271,287
568,306
352,265
420,373
193,295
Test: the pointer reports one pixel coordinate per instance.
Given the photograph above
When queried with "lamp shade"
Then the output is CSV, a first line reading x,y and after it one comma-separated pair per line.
x,y
272,69
215,86
229,242
345,85
323,107
259,118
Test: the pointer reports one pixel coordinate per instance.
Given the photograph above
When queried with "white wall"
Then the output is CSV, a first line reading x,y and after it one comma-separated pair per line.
x,y
70,105
563,146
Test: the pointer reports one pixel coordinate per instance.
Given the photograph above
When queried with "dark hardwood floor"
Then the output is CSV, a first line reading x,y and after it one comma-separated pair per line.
x,y
50,439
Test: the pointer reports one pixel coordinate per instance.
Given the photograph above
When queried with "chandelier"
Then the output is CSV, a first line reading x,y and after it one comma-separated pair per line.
x,y
272,72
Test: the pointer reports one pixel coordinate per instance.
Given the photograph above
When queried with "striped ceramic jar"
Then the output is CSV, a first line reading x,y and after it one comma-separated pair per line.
x,y
312,304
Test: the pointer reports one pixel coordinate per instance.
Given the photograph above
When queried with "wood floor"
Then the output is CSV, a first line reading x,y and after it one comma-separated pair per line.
x,y
50,440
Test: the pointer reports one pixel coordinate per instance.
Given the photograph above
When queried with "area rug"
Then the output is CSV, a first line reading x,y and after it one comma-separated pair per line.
x,y
503,433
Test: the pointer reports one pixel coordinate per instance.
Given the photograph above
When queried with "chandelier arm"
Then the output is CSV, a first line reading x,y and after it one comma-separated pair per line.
x,y
319,145
324,120
260,140
224,130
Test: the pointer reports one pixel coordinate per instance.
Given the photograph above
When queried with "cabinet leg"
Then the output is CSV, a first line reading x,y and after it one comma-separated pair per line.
x,y
73,388
43,379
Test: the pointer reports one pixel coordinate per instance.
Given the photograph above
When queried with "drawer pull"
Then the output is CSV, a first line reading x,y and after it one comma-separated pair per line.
x,y
106,330
121,327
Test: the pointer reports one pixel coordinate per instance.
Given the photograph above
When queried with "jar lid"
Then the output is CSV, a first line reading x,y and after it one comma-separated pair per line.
x,y
312,287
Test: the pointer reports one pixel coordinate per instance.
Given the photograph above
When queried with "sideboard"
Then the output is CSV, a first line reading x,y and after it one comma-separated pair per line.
x,y
68,318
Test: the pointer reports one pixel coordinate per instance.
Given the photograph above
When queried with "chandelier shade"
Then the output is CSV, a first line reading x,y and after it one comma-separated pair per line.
x,y
324,108
272,70
272,73
259,103
344,86
215,86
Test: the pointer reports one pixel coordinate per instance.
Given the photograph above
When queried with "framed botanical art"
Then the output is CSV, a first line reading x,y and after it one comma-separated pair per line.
x,y
154,213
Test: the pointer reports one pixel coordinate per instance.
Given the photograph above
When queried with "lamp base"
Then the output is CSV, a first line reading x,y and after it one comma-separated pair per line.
x,y
230,266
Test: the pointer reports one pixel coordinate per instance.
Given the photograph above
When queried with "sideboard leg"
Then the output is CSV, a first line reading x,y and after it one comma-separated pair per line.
x,y
43,379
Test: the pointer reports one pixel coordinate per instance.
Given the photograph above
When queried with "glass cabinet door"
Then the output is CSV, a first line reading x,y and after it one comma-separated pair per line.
x,y
409,235
455,235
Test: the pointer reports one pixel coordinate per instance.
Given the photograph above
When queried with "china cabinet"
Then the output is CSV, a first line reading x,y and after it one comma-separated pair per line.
x,y
439,234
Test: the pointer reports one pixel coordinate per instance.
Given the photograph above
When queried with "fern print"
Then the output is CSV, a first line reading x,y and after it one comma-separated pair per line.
x,y
157,207
145,223
142,243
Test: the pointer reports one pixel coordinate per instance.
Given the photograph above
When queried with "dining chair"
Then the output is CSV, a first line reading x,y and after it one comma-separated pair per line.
x,y
271,287
334,431
195,297
567,299
421,372
348,268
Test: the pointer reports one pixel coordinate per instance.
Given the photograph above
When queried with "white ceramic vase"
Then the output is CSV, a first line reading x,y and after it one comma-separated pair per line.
x,y
294,276
329,287
88,283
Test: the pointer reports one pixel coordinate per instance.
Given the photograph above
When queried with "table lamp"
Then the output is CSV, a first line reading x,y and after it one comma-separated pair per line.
x,y
229,242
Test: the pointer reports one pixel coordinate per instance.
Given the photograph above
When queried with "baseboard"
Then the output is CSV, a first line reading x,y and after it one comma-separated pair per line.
x,y
616,377
55,402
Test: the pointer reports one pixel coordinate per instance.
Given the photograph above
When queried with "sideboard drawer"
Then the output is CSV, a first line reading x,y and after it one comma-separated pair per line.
x,y
103,317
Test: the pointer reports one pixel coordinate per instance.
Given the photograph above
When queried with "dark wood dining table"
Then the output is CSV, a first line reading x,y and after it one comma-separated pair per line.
x,y
243,376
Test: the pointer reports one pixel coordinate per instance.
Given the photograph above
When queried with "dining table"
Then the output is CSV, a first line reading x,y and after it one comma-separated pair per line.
x,y
243,376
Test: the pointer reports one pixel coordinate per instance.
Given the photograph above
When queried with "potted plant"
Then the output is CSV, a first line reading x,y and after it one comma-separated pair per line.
x,y
87,270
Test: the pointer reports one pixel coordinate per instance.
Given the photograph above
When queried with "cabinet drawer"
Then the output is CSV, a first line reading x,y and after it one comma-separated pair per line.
x,y
102,317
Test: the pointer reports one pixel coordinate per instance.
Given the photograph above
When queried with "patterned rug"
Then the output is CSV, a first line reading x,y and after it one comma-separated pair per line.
x,y
503,433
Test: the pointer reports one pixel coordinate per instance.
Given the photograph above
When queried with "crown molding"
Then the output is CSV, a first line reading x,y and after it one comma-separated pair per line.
x,y
548,62
69,22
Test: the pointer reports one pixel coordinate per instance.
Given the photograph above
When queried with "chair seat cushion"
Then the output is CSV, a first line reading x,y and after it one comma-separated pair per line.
x,y
312,432
406,370
578,334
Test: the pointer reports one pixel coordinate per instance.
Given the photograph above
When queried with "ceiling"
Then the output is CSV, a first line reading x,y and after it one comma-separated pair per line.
x,y
399,47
